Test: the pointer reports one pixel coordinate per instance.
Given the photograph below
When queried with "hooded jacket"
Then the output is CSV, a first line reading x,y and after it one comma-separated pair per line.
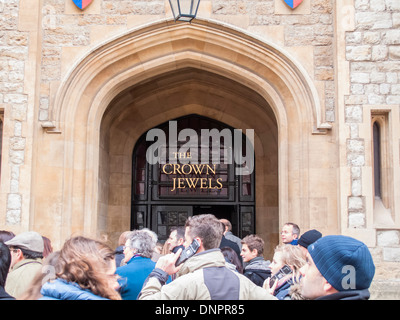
x,y
203,277
257,270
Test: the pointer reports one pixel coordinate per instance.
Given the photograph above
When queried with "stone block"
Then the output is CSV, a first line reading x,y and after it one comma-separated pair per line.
x,y
355,203
358,53
377,5
356,220
356,159
360,77
387,238
354,114
356,188
396,20
355,145
14,201
391,37
369,20
394,52
395,89
391,254
393,5
393,99
13,217
379,53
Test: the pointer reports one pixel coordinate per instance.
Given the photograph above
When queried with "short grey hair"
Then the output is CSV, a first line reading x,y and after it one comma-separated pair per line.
x,y
152,234
141,242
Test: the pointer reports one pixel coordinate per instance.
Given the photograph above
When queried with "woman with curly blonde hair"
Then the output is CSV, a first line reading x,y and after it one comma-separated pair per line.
x,y
85,271
292,257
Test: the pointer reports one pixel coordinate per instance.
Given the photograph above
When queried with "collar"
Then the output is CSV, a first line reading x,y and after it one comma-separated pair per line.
x,y
256,259
136,256
25,262
348,295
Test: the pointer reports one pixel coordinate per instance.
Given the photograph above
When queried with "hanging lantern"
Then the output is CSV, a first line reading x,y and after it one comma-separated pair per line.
x,y
184,10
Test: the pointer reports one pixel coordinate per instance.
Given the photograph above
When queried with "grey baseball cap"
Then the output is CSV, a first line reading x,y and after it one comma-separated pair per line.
x,y
30,240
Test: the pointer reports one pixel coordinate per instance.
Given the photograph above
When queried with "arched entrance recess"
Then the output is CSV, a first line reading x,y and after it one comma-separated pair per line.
x,y
134,82
165,195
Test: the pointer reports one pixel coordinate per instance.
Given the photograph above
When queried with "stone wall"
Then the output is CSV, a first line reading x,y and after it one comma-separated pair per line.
x,y
14,52
372,50
307,31
39,46
373,53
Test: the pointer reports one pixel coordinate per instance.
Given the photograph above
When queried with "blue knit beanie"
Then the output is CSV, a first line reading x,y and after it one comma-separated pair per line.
x,y
344,262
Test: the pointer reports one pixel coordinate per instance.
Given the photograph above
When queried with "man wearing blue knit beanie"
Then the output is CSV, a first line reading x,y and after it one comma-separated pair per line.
x,y
338,268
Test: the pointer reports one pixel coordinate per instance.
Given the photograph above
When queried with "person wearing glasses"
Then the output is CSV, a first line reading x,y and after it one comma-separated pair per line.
x,y
26,261
138,250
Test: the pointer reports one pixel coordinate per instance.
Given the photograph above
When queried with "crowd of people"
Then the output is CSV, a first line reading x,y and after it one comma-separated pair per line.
x,y
218,266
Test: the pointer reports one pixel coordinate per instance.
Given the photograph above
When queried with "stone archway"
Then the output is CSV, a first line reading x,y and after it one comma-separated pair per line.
x,y
285,95
176,94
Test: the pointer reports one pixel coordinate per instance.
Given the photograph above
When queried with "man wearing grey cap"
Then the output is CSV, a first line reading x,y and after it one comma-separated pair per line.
x,y
26,261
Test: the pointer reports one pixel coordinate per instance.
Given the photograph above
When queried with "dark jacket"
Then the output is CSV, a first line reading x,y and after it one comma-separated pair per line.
x,y
119,255
348,295
230,244
257,270
282,293
4,295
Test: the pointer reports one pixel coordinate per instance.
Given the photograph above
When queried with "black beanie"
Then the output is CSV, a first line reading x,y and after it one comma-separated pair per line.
x,y
309,237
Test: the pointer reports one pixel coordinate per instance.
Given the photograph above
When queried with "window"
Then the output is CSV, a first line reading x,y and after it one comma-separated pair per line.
x,y
382,166
376,130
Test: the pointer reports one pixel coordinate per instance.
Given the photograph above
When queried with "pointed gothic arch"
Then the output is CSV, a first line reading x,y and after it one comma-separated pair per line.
x,y
290,102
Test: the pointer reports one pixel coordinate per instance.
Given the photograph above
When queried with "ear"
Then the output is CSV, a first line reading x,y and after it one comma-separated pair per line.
x,y
20,255
328,288
201,248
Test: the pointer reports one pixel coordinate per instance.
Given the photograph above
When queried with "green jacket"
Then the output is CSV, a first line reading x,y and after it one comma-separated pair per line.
x,y
205,277
21,275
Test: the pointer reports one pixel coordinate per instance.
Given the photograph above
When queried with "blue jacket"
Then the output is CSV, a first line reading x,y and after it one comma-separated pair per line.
x,y
60,289
133,275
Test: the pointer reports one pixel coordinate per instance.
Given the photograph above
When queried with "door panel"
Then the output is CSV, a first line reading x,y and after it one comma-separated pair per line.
x,y
165,217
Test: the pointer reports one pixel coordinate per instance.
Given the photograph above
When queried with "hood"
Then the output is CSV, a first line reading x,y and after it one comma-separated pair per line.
x,y
205,259
258,263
